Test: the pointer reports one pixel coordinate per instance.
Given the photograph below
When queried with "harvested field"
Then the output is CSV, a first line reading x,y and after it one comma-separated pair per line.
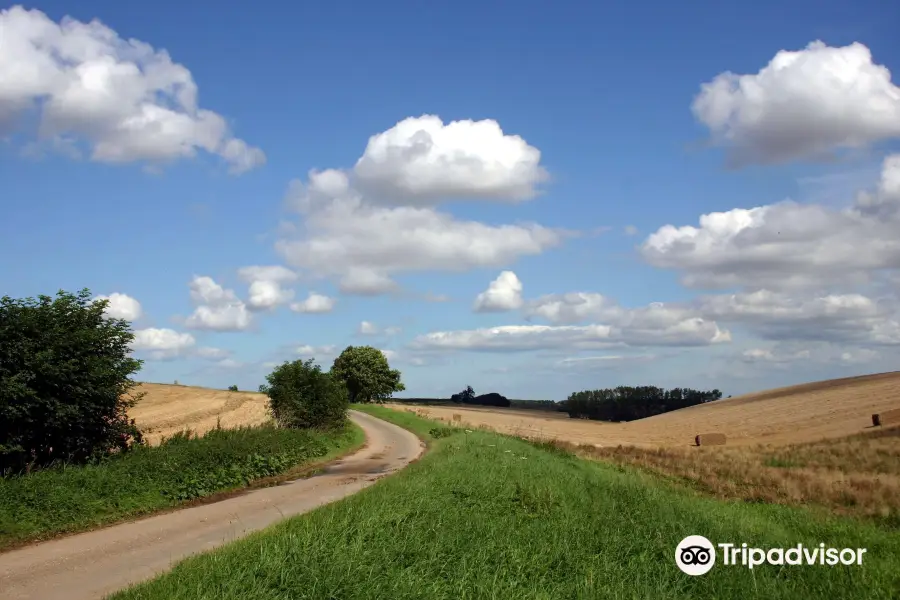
x,y
167,409
796,414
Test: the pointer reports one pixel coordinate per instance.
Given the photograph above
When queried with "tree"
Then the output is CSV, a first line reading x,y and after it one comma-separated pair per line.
x,y
65,385
232,388
466,396
366,373
302,396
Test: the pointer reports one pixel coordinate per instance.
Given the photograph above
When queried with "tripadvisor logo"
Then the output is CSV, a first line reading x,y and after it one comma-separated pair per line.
x,y
696,555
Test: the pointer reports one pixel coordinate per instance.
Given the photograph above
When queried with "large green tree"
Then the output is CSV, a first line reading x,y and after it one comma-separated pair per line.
x,y
65,381
302,396
367,374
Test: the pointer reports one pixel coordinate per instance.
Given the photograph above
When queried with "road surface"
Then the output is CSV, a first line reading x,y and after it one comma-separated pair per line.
x,y
90,565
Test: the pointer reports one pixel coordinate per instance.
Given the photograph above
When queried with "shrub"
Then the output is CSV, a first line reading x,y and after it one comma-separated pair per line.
x,y
232,388
64,381
302,396
366,373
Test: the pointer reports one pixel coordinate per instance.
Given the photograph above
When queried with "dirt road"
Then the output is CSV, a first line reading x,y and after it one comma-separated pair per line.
x,y
90,565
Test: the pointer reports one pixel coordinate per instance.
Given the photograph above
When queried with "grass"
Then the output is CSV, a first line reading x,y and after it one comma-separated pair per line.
x,y
482,515
183,469
857,475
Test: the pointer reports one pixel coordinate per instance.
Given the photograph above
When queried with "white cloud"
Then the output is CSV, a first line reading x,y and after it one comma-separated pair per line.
x,y
365,282
308,351
510,338
210,353
121,98
390,354
594,363
162,344
363,245
631,230
219,309
392,330
346,233
314,304
504,293
268,273
423,159
859,356
787,245
831,317
842,318
572,307
804,103
266,291
764,355
121,306
367,328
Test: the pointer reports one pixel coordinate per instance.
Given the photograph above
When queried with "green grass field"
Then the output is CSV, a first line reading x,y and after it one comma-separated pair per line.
x,y
487,516
149,479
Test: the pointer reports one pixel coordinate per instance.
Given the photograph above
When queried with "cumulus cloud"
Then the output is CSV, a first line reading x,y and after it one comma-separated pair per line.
x,y
309,351
314,304
367,328
121,306
219,309
804,103
361,244
839,318
511,338
423,160
504,293
266,291
162,344
122,99
787,245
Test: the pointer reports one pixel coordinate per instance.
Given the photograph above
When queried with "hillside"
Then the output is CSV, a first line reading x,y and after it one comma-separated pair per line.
x,y
167,409
799,413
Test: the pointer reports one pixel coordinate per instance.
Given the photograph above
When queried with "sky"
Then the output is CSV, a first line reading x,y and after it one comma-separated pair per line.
x,y
531,199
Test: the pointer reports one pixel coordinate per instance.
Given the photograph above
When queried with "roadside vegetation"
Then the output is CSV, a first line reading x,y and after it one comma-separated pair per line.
x,y
71,458
184,468
483,515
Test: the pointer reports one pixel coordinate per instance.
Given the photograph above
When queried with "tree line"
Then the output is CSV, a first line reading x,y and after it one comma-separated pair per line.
x,y
625,403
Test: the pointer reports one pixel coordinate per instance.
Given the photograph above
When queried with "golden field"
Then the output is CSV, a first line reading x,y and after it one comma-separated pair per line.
x,y
806,444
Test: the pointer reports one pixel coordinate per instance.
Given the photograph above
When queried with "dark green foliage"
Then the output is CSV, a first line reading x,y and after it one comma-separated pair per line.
x,y
367,374
630,403
442,432
464,397
64,381
467,396
232,388
302,396
70,498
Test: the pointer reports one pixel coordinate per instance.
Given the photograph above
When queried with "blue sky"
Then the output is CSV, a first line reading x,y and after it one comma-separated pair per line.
x,y
395,160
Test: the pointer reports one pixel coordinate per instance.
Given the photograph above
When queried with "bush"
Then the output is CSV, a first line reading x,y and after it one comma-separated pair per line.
x,y
232,388
64,382
366,373
302,396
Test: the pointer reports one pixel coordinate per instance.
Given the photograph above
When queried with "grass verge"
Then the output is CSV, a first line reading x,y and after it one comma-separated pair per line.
x,y
483,515
184,469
